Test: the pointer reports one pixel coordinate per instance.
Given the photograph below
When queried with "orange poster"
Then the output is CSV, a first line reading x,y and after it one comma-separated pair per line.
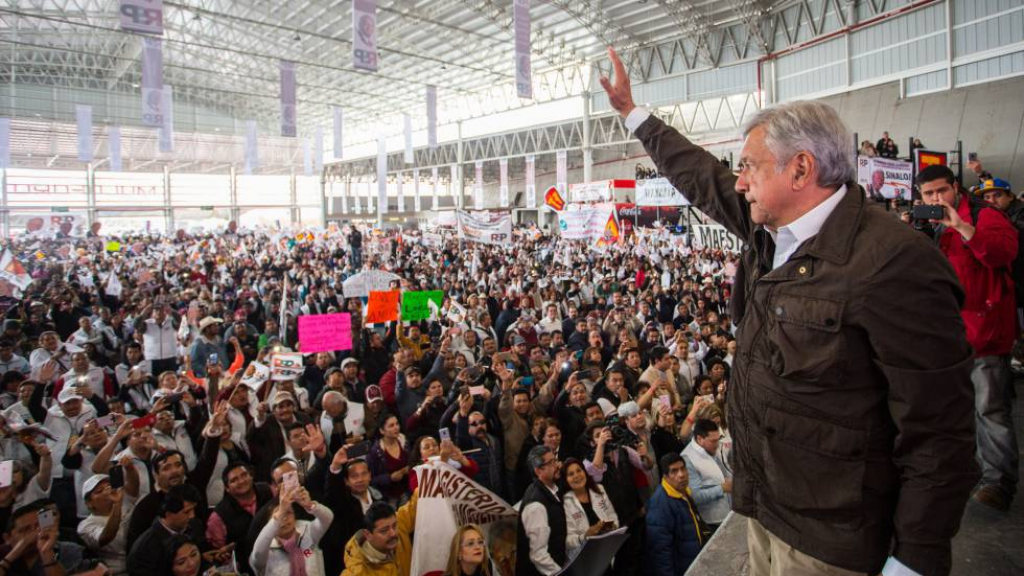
x,y
383,306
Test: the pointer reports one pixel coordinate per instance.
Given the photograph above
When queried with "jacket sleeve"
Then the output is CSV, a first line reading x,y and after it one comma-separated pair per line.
x,y
994,243
575,531
660,528
261,548
535,525
407,515
930,397
697,174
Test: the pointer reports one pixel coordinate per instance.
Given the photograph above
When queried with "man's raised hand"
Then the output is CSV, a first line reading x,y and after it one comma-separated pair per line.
x,y
620,95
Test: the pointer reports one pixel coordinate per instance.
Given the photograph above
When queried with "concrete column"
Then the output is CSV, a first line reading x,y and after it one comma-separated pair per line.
x,y
588,156
168,211
90,194
460,200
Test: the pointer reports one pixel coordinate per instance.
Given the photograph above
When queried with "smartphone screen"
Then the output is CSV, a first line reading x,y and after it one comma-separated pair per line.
x,y
972,156
358,450
116,477
105,421
46,519
445,434
290,480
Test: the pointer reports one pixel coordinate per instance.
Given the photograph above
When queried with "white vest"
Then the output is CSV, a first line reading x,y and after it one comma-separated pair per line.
x,y
705,474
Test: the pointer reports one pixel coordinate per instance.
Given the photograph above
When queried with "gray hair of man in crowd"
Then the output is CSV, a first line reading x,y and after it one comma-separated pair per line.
x,y
811,127
535,458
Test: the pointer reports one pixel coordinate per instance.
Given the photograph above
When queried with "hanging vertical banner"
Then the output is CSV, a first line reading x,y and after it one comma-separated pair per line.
x,y
5,142
288,114
114,148
521,24
356,200
337,131
478,186
531,184
562,173
407,132
318,151
456,193
401,199
83,114
152,82
432,117
503,189
416,203
252,158
166,132
146,16
369,197
382,175
346,189
435,183
364,35
307,157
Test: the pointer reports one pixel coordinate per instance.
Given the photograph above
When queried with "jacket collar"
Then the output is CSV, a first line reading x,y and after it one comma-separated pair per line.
x,y
672,492
835,240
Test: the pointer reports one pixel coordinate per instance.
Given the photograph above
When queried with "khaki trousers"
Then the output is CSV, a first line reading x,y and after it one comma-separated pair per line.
x,y
770,556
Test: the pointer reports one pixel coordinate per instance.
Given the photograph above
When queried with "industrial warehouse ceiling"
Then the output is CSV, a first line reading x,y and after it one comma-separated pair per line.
x,y
222,55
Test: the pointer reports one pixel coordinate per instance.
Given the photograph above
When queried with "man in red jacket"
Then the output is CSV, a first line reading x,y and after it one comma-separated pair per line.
x,y
981,244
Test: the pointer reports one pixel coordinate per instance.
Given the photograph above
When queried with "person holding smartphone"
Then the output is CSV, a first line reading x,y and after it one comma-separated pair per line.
x,y
588,510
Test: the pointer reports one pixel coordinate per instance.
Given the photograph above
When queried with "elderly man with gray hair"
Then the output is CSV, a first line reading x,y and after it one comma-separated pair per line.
x,y
850,400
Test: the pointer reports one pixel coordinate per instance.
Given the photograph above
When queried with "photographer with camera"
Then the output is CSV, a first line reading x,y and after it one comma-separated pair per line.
x,y
981,244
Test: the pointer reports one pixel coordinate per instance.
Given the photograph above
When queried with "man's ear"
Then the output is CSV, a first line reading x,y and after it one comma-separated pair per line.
x,y
804,168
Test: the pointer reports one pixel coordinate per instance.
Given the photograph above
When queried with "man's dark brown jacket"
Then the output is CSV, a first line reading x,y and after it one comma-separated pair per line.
x,y
850,401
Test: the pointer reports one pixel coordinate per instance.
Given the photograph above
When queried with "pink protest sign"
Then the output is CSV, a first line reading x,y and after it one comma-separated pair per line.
x,y
325,332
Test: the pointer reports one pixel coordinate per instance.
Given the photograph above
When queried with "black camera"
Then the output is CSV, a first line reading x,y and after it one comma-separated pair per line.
x,y
621,436
927,212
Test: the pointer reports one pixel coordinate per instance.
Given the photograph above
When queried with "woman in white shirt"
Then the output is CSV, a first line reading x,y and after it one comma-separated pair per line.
x,y
588,511
286,546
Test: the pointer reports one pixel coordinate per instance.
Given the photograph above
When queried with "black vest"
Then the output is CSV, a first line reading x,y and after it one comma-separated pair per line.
x,y
236,519
539,493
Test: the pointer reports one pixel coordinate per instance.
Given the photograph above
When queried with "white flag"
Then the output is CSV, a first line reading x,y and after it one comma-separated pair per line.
x,y
307,157
364,35
318,151
407,131
417,202
113,287
83,114
478,185
531,186
166,131
521,24
114,148
152,82
432,117
338,117
382,175
252,158
503,190
5,142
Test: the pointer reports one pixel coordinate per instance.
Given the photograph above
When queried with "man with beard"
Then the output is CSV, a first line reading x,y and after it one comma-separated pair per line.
x,y
542,524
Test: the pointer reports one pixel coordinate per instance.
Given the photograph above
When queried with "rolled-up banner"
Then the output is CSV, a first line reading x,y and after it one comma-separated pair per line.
x,y
114,148
478,185
407,132
432,117
318,150
83,114
145,16
152,82
382,175
521,24
503,186
531,185
416,203
288,113
252,156
338,117
5,142
364,35
562,173
166,131
435,184
307,157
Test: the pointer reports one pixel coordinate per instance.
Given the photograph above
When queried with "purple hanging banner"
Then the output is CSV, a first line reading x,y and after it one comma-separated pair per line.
x,y
145,16
83,114
5,142
432,117
252,158
166,131
338,117
531,182
288,115
521,24
364,35
152,82
307,157
114,148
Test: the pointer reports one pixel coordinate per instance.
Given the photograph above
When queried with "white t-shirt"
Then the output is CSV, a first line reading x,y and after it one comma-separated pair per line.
x,y
113,554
